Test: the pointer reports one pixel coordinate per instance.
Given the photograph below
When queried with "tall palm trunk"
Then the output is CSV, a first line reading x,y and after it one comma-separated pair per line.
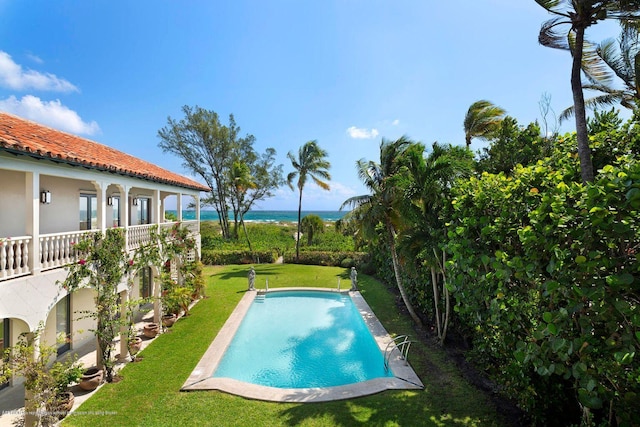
x,y
584,152
436,299
299,226
442,318
396,271
246,235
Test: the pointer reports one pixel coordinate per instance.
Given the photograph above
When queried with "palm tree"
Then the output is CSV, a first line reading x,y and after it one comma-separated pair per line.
x,y
424,233
310,163
379,207
606,62
578,15
482,120
312,225
241,182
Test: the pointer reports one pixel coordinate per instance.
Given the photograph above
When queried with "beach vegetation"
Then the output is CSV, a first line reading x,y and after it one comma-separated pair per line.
x,y
312,225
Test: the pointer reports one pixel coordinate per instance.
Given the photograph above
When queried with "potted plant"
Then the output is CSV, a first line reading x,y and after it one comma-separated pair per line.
x,y
91,378
150,330
169,319
135,344
45,383
62,375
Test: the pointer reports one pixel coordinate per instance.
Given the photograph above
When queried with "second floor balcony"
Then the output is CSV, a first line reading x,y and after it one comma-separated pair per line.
x,y
56,250
44,214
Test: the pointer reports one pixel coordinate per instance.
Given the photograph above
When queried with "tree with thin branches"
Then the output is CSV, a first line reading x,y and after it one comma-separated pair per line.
x,y
311,162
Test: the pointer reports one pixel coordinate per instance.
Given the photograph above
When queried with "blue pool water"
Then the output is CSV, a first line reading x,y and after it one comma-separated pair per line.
x,y
301,339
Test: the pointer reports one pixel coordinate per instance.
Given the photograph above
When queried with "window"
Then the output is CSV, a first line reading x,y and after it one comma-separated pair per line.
x,y
63,324
115,211
88,212
4,343
144,213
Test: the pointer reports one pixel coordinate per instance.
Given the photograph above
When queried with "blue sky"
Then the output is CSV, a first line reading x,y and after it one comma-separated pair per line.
x,y
344,72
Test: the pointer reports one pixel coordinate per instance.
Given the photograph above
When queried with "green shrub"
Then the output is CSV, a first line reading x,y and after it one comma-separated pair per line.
x,y
545,278
271,241
334,259
223,257
347,263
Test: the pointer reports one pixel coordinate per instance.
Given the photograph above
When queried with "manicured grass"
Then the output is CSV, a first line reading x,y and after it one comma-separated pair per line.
x,y
149,395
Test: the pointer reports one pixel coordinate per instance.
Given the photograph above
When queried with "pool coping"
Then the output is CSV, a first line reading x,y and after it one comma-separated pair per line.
x,y
200,379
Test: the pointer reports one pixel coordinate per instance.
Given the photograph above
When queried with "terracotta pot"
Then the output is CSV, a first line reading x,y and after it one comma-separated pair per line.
x,y
150,330
62,404
91,379
169,319
134,345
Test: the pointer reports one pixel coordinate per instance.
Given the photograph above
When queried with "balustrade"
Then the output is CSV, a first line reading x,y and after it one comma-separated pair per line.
x,y
57,249
14,257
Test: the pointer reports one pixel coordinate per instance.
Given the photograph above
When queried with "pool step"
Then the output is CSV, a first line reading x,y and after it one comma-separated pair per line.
x,y
259,298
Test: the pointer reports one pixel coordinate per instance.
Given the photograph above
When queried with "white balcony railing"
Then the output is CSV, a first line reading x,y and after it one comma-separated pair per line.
x,y
139,235
14,257
57,249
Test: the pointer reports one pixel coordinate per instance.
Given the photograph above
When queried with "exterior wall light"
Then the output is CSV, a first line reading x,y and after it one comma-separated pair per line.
x,y
45,197
135,201
109,200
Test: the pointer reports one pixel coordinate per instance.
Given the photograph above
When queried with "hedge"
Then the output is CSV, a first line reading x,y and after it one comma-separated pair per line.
x,y
217,257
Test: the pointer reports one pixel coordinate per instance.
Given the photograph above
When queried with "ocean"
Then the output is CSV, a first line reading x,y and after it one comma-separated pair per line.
x,y
265,216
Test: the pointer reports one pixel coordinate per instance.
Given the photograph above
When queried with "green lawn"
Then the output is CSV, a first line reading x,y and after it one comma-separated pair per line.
x,y
148,394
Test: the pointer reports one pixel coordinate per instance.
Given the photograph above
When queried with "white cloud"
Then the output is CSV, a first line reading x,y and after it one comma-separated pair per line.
x,y
362,133
396,122
51,113
35,58
14,77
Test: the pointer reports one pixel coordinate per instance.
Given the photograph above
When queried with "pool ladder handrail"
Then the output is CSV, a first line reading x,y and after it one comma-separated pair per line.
x,y
402,347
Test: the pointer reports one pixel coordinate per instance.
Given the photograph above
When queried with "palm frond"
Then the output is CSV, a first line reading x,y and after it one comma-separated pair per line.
x,y
550,36
594,65
551,6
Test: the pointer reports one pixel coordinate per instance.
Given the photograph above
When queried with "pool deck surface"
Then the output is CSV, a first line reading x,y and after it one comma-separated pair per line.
x,y
201,378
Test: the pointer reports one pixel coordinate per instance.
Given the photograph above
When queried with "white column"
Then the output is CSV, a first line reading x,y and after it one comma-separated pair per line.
x,y
125,206
32,198
101,190
156,208
179,206
197,200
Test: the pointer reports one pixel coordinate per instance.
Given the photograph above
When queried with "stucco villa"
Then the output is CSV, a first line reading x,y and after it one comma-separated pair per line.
x,y
54,189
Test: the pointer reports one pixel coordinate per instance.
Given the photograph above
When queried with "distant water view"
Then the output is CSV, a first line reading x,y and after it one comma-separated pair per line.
x,y
265,216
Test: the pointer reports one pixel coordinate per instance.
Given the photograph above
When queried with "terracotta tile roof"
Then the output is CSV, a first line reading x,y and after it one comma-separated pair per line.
x,y
22,136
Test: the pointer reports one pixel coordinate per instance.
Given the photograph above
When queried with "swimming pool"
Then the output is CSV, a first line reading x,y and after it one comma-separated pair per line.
x,y
299,339
206,375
